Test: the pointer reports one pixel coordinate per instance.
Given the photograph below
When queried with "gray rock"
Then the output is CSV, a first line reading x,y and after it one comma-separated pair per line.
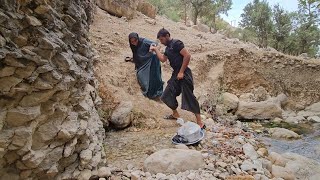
x,y
312,110
301,167
70,147
104,172
295,119
135,175
85,156
191,176
173,161
230,101
160,176
314,119
281,172
181,146
249,151
282,133
121,117
259,110
85,175
247,97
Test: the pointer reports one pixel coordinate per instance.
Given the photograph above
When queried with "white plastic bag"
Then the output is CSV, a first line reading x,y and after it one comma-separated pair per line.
x,y
189,130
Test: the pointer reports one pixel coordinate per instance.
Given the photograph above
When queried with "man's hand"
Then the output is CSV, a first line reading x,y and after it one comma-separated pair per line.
x,y
153,48
180,75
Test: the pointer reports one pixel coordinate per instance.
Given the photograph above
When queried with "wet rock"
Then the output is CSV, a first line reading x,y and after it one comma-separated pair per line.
x,y
121,117
281,172
173,161
300,166
249,151
282,133
277,159
230,101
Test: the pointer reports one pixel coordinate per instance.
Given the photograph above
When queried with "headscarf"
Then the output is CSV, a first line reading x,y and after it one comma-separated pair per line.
x,y
133,47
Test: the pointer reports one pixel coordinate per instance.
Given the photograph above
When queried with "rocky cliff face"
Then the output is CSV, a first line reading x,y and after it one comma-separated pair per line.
x,y
127,8
49,127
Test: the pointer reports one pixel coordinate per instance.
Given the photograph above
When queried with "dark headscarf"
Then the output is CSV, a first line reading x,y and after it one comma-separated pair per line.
x,y
133,47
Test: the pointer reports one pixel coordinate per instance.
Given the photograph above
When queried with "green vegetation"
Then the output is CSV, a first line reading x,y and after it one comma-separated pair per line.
x,y
289,32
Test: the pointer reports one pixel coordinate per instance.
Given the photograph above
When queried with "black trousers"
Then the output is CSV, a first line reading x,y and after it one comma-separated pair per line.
x,y
185,87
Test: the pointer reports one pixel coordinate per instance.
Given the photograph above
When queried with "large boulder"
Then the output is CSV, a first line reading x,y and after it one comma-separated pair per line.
x,y
259,110
302,167
201,27
119,8
230,101
312,110
268,109
173,161
282,133
121,116
147,9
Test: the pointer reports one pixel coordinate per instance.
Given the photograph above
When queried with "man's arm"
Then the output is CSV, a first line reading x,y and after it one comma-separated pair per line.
x,y
186,59
161,56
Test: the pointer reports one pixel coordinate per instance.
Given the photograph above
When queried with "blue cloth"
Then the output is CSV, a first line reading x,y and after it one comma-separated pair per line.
x,y
148,70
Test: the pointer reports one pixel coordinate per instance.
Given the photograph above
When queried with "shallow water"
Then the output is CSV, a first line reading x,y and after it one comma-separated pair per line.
x,y
308,145
123,148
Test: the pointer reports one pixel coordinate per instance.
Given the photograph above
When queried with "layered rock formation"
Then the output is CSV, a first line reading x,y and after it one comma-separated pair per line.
x,y
49,127
127,8
277,73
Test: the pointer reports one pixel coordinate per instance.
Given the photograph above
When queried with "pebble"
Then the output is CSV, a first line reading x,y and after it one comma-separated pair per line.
x,y
191,176
160,175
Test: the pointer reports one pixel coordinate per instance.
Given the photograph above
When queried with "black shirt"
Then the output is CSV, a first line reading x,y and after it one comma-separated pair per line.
x,y
173,53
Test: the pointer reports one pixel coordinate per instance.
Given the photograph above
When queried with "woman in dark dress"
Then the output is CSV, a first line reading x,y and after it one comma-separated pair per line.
x,y
147,64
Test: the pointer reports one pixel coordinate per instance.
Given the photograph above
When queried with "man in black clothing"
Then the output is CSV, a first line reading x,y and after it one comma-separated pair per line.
x,y
181,81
